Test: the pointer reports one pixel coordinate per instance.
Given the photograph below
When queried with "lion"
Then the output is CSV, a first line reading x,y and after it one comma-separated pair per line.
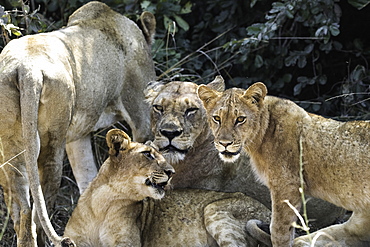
x,y
56,89
284,141
182,134
122,206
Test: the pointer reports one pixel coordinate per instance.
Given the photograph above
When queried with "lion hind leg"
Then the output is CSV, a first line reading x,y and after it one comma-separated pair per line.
x,y
50,171
81,158
225,220
13,179
17,199
354,232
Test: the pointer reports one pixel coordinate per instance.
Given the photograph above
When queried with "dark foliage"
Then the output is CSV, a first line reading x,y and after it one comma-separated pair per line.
x,y
313,52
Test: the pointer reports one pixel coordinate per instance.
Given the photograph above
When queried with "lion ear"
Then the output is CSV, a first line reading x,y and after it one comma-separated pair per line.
x,y
217,84
206,94
148,24
256,93
117,141
151,144
152,90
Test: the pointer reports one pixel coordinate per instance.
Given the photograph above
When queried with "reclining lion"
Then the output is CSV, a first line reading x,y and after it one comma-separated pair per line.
x,y
113,211
56,88
182,134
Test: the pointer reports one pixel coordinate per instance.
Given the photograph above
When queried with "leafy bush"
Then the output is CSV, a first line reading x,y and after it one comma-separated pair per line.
x,y
313,52
294,52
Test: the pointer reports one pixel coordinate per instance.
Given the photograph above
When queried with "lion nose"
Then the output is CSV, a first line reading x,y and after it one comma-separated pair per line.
x,y
226,143
169,172
171,134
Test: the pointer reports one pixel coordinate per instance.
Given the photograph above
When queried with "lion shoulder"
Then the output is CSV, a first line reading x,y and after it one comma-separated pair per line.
x,y
98,16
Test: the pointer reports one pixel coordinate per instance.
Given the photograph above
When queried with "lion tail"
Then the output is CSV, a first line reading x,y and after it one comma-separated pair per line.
x,y
254,228
30,83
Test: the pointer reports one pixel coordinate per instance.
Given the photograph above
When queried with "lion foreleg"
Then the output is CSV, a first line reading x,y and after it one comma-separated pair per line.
x,y
81,158
283,216
225,220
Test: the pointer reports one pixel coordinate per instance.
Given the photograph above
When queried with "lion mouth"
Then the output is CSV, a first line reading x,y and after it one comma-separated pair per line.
x,y
230,154
160,187
171,148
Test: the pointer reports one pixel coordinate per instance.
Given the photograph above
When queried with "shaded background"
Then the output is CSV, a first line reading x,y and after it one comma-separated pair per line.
x,y
315,53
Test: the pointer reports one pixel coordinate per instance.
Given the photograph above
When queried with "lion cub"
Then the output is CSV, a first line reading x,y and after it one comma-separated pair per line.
x,y
113,210
335,157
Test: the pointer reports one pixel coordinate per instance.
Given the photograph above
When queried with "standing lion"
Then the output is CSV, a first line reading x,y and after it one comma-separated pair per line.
x,y
292,150
58,87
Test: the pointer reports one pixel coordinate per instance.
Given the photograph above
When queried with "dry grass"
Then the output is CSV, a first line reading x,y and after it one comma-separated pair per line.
x,y
68,192
66,199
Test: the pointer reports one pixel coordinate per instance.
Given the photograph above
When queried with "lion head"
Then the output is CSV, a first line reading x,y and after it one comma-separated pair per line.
x,y
234,117
178,118
140,166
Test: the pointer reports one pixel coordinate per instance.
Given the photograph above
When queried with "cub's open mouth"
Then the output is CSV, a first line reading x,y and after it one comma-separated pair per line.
x,y
171,148
159,186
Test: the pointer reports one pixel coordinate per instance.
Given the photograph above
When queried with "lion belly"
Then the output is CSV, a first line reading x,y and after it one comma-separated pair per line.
x,y
341,155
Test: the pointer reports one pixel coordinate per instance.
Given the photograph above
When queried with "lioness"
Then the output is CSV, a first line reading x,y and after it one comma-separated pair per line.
x,y
182,133
277,133
111,212
56,88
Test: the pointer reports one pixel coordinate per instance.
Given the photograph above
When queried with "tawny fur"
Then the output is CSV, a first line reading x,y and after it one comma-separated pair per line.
x,y
335,158
55,89
113,210
178,111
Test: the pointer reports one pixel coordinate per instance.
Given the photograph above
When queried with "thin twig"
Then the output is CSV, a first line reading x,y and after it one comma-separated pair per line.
x,y
301,189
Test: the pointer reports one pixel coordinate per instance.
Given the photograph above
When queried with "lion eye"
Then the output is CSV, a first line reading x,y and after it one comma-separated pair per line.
x,y
217,119
148,155
191,111
240,119
158,108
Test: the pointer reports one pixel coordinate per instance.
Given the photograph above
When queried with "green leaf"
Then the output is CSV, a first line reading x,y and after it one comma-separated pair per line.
x,y
258,61
297,89
167,22
253,2
323,79
255,28
289,14
287,78
322,31
291,60
359,4
13,29
187,8
316,107
145,4
16,32
181,22
358,73
302,79
302,61
334,29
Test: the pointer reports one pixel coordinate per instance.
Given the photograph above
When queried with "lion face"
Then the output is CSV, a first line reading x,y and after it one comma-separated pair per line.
x,y
234,117
177,118
144,170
